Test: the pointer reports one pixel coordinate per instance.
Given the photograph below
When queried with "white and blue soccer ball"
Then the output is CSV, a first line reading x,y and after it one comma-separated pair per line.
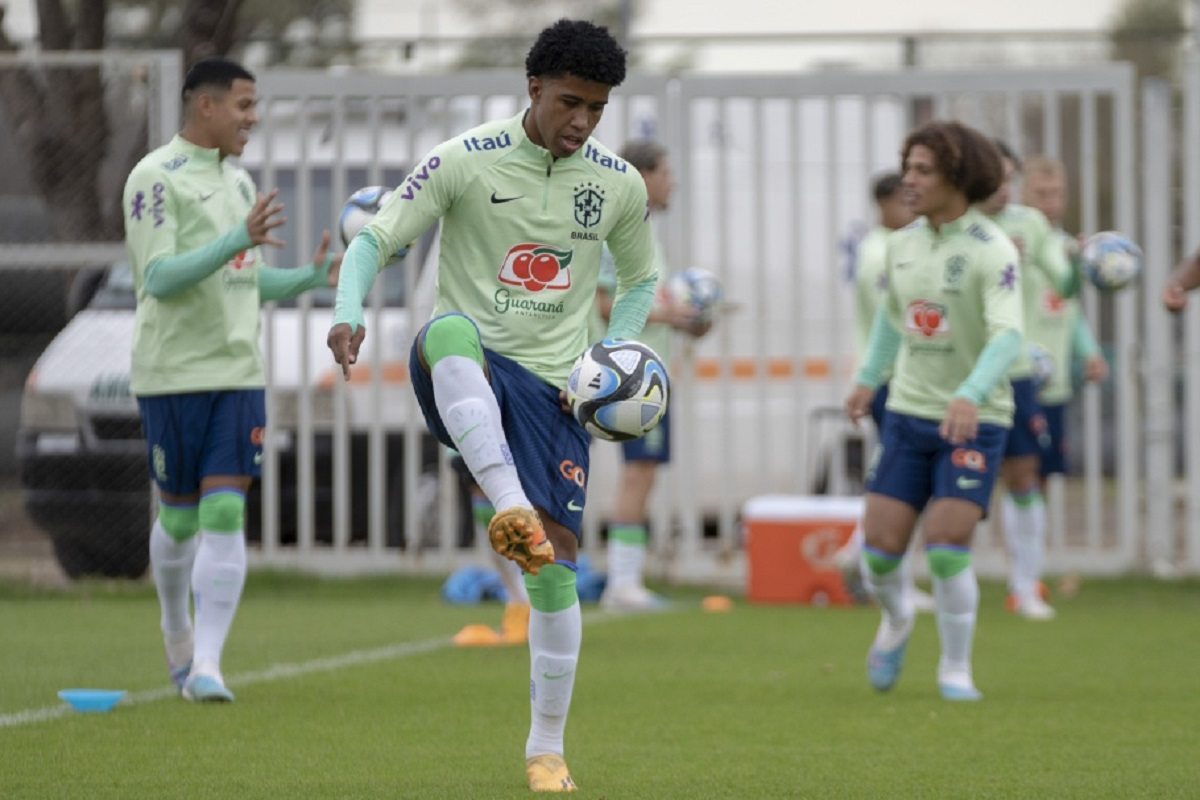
x,y
618,390
1043,364
1111,260
359,209
699,289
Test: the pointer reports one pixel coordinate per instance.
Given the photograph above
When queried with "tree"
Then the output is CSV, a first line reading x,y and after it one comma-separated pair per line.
x,y
59,118
1148,33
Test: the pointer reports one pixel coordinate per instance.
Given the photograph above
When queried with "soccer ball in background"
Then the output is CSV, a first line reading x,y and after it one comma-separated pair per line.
x,y
359,209
699,289
1043,364
1110,260
618,390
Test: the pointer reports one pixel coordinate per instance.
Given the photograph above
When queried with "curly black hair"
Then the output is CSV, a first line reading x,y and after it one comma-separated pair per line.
x,y
967,159
579,48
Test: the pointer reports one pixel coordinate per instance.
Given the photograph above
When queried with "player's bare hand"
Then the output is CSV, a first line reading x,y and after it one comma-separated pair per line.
x,y
961,423
1095,369
345,345
858,404
264,217
1174,297
681,317
563,403
322,253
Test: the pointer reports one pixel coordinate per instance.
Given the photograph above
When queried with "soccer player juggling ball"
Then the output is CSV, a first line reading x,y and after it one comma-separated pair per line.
x,y
951,323
193,224
525,204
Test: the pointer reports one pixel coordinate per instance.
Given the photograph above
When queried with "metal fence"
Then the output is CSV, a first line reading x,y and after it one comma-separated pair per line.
x,y
774,177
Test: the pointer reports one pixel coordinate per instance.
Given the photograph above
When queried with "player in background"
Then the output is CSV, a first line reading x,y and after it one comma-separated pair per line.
x,y
193,225
525,204
1060,328
627,530
1044,268
870,286
949,327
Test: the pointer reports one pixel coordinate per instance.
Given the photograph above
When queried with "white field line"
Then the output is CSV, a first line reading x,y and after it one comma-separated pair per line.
x,y
354,658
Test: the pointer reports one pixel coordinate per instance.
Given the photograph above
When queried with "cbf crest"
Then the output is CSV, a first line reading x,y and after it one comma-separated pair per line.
x,y
956,267
589,204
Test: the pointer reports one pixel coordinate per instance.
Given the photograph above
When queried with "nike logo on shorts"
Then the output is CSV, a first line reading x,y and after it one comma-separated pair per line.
x,y
573,506
499,200
967,484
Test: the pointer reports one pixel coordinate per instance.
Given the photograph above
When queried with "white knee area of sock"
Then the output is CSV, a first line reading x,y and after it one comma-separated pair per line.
x,y
552,682
890,591
958,594
166,549
171,564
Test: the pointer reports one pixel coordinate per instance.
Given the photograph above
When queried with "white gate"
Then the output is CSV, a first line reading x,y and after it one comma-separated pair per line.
x,y
774,176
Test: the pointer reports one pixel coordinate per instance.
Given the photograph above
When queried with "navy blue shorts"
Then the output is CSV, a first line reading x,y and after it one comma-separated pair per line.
x,y
194,435
1054,457
549,448
1029,435
654,446
879,407
914,464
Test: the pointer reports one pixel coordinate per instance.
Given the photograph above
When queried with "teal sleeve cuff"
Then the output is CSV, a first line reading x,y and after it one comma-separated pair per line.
x,y
631,308
991,366
170,275
882,346
1083,343
278,284
360,265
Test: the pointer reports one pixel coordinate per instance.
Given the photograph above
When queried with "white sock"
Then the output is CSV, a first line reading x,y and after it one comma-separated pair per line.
x,y
512,578
957,603
625,563
171,566
469,411
554,639
217,580
895,601
1025,534
908,583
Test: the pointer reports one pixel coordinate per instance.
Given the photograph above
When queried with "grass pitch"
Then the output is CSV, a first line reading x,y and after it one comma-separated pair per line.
x,y
349,689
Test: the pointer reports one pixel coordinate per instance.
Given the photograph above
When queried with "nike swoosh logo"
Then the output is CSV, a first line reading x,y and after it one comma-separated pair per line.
x,y
499,200
573,506
550,677
467,433
968,483
204,196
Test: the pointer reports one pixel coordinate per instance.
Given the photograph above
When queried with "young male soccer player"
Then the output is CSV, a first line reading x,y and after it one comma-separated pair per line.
x,y
870,287
525,204
951,323
1044,265
1060,328
626,589
193,223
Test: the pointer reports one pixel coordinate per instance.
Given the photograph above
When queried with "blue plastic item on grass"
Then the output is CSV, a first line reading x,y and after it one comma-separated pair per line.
x,y
92,700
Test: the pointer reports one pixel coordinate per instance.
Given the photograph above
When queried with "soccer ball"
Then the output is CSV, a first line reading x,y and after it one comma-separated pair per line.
x,y
1111,260
1043,364
359,209
699,289
618,390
